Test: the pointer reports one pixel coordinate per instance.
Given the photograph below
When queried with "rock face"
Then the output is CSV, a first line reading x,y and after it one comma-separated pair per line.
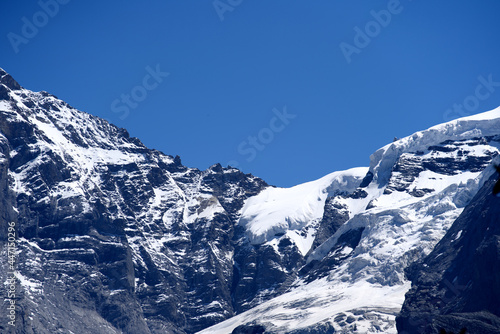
x,y
353,278
114,237
458,285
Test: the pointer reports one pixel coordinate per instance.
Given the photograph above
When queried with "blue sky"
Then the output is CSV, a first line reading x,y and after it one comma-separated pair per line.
x,y
288,91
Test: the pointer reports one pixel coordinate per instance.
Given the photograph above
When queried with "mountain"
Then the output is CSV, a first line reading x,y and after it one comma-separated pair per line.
x,y
355,281
114,237
457,285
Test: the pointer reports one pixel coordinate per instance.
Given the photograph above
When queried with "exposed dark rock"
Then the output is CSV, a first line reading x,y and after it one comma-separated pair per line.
x,y
94,240
458,284
336,255
249,329
366,180
114,237
334,216
9,81
359,193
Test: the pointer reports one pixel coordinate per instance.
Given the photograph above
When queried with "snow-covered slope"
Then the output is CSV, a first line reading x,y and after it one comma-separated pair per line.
x,y
457,285
295,211
354,281
113,236
475,126
117,237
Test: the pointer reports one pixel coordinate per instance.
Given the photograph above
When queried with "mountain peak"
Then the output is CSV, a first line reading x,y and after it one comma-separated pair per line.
x,y
475,126
7,80
141,243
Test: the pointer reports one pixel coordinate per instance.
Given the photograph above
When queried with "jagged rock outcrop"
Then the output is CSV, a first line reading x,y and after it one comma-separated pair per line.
x,y
354,275
114,237
458,285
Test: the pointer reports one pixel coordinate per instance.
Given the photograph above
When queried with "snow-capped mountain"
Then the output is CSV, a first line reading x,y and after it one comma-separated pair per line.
x,y
114,237
457,286
354,281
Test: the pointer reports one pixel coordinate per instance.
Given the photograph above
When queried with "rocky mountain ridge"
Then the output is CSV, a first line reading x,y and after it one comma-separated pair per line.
x,y
457,285
114,237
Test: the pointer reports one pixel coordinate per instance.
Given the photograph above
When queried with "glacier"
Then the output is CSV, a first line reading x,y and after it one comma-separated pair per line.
x,y
120,238
398,228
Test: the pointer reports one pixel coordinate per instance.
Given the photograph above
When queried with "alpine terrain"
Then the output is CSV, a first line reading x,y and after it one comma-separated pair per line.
x,y
113,237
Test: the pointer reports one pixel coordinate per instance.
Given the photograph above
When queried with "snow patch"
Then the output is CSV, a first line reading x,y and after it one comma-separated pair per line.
x,y
276,211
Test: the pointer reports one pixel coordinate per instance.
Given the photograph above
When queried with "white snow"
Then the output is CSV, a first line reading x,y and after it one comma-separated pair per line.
x,y
30,286
458,235
320,301
280,210
5,106
483,124
398,229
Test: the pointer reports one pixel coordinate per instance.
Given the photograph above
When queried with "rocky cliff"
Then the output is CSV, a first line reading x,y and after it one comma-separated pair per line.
x,y
114,237
458,285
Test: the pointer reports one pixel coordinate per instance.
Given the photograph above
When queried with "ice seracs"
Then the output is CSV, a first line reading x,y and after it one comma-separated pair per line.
x,y
420,185
144,244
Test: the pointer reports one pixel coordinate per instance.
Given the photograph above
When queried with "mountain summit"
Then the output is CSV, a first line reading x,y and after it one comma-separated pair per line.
x,y
8,83
114,237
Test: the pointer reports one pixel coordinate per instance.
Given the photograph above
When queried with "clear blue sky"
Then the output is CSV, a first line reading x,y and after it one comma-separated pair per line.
x,y
234,68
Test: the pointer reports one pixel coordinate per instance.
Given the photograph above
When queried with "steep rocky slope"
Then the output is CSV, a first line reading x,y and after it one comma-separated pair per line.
x,y
458,285
353,280
114,237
